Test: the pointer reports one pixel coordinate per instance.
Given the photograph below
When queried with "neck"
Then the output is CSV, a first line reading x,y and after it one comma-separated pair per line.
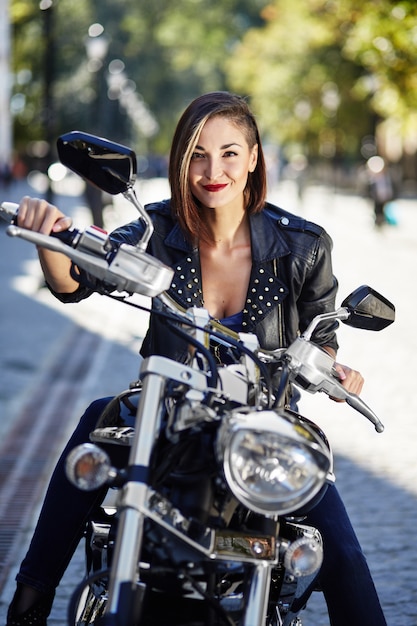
x,y
227,228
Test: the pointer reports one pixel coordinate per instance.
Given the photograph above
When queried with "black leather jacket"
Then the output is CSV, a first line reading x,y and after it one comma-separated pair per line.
x,y
291,279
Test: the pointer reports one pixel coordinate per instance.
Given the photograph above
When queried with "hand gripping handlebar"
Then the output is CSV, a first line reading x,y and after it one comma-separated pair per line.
x,y
312,368
127,268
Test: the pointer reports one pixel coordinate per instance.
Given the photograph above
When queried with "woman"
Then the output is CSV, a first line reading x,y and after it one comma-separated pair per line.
x,y
251,265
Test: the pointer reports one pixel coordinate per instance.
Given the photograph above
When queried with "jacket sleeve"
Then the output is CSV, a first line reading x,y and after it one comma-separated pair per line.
x,y
318,294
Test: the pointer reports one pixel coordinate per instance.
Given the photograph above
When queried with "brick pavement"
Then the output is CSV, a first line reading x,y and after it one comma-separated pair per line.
x,y
376,473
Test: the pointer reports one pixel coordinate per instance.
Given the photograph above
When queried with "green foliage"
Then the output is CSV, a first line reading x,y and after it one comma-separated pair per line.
x,y
318,72
324,68
172,51
384,42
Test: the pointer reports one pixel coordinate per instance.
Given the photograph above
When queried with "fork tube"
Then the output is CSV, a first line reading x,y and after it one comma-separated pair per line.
x,y
134,494
257,604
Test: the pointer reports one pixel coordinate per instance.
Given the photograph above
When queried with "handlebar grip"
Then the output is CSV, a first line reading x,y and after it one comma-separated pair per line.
x,y
69,236
9,210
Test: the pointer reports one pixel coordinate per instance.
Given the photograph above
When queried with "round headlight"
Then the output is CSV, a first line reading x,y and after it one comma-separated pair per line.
x,y
272,465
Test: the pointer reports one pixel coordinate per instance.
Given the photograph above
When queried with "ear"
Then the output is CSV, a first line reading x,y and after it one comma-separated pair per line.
x,y
253,159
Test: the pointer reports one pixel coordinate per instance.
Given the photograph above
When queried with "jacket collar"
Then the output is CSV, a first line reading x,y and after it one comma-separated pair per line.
x,y
175,239
266,238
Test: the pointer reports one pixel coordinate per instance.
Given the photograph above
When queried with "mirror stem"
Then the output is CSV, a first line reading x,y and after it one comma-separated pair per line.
x,y
130,195
341,314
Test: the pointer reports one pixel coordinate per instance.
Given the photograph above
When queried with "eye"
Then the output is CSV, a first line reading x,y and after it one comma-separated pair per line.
x,y
230,153
197,155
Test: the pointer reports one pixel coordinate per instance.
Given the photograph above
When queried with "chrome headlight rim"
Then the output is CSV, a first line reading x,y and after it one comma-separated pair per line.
x,y
287,435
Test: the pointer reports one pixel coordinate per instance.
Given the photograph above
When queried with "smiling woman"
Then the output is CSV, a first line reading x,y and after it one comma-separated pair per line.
x,y
250,263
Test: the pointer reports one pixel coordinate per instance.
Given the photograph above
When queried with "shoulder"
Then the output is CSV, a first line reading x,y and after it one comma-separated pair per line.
x,y
302,239
159,209
160,214
289,222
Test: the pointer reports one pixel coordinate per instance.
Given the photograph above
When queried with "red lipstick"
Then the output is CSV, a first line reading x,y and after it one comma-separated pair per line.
x,y
214,187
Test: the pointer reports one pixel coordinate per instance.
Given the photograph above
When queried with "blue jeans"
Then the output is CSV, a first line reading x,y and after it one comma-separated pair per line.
x,y
345,578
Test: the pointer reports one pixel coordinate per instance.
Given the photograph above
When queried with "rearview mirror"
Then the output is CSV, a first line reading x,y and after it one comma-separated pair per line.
x,y
107,165
368,309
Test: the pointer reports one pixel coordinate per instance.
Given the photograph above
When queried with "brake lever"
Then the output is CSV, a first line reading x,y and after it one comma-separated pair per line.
x,y
312,368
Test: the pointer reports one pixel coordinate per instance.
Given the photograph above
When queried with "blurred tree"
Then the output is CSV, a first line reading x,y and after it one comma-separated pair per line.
x,y
323,72
30,49
171,52
176,50
320,73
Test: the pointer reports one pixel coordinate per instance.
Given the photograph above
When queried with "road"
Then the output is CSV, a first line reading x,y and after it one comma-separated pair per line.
x,y
76,353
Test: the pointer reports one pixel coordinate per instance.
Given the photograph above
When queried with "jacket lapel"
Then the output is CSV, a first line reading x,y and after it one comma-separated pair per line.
x,y
265,292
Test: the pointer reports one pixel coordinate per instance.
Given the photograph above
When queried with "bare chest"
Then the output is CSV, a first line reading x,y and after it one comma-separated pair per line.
x,y
225,280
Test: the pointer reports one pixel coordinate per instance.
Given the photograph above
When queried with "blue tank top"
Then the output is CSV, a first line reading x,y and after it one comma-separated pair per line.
x,y
234,322
223,354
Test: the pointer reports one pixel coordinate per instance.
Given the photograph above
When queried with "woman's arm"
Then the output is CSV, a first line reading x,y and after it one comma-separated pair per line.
x,y
42,217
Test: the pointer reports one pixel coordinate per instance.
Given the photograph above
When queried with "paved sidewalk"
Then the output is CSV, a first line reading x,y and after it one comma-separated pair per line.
x,y
376,473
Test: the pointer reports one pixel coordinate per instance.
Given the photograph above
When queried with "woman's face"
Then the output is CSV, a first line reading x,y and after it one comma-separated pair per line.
x,y
220,164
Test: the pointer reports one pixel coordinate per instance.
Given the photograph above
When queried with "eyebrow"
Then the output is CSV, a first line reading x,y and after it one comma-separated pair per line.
x,y
224,147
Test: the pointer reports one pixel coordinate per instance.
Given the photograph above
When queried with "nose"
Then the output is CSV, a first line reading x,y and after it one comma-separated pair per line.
x,y
212,168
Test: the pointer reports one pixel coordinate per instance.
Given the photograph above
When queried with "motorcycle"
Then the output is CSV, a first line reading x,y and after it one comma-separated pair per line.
x,y
207,523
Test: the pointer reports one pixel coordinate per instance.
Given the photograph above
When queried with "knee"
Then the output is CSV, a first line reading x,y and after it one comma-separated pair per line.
x,y
94,410
98,405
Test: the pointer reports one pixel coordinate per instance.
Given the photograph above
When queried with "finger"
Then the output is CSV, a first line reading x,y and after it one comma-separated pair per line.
x,y
340,369
45,215
40,216
30,213
37,216
62,224
22,211
354,382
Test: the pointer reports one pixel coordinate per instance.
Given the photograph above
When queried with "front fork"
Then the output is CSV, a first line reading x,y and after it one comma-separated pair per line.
x,y
126,591
257,601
